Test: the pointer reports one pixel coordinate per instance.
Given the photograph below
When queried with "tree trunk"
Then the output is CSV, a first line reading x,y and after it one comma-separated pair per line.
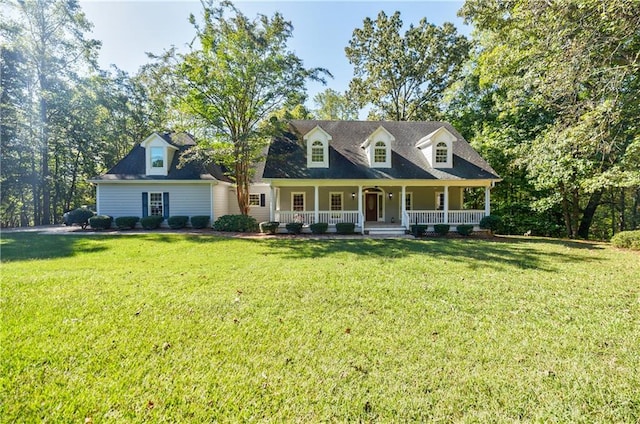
x,y
44,152
589,212
566,213
623,206
636,209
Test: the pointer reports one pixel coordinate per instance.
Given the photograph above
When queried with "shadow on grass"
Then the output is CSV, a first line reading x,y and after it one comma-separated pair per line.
x,y
475,253
21,246
25,246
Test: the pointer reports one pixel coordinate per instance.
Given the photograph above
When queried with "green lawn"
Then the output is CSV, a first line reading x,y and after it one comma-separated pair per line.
x,y
176,328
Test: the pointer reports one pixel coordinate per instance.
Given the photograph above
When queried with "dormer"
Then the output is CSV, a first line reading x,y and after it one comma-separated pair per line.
x,y
158,155
437,147
317,141
378,148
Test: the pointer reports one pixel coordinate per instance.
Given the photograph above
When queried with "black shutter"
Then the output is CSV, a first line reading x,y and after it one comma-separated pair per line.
x,y
145,204
165,204
263,199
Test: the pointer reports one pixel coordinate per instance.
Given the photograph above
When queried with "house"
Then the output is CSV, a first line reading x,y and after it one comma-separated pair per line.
x,y
381,176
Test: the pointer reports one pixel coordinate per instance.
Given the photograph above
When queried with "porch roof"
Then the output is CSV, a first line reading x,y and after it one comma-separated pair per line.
x,y
286,158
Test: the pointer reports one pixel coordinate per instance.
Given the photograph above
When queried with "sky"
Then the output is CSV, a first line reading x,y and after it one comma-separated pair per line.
x,y
322,29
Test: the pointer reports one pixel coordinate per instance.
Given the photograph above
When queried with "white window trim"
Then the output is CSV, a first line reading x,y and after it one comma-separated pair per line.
x,y
317,134
304,200
428,143
318,163
438,194
168,151
338,193
379,135
257,205
408,196
385,162
150,206
446,153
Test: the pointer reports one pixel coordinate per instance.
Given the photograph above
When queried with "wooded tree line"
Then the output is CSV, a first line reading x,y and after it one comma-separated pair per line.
x,y
546,91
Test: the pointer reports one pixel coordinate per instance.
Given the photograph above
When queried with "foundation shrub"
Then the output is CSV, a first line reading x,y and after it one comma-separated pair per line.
x,y
126,222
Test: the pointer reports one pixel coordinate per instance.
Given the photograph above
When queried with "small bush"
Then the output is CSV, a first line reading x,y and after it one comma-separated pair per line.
x,y
236,223
294,227
100,222
465,229
491,223
269,227
126,222
177,222
418,230
200,221
441,229
78,216
345,227
151,222
627,240
319,227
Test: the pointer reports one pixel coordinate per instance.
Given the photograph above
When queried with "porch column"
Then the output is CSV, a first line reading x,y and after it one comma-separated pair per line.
x,y
316,199
487,201
360,217
446,204
403,204
272,203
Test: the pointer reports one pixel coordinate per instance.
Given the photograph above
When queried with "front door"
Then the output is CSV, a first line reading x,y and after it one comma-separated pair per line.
x,y
371,206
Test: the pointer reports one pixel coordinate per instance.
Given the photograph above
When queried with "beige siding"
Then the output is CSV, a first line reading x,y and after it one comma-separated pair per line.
x,y
126,199
220,200
260,213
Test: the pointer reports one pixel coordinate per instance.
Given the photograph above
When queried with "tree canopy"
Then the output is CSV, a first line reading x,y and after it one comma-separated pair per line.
x,y
239,75
403,76
566,76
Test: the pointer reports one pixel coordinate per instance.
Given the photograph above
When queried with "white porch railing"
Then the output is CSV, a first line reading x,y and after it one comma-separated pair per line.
x,y
308,217
466,217
285,217
437,217
333,217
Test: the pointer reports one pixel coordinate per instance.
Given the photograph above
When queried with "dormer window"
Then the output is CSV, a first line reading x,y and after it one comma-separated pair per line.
x,y
441,152
380,153
159,154
157,157
317,148
317,152
437,148
378,148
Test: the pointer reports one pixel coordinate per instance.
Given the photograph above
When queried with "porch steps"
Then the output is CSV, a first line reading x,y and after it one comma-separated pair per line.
x,y
384,230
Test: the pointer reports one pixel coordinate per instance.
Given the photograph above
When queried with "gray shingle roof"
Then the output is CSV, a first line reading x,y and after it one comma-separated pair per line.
x,y
133,166
347,160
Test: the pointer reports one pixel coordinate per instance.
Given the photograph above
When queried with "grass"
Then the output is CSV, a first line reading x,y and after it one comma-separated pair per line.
x,y
175,328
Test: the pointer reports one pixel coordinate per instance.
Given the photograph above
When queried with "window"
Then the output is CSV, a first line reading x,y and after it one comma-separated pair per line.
x,y
441,152
297,201
440,201
380,152
317,151
157,157
335,200
408,201
257,199
155,204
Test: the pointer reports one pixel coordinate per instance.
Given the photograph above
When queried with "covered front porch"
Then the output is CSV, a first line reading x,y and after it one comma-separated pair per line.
x,y
372,207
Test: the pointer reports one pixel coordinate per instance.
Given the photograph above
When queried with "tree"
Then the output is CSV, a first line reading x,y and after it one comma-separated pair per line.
x,y
577,64
50,36
334,106
404,76
240,74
